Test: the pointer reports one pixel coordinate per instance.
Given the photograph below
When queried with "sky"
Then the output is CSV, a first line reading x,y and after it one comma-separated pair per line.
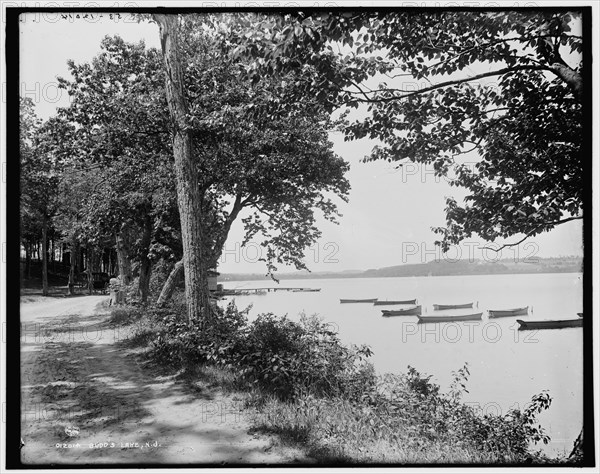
x,y
390,212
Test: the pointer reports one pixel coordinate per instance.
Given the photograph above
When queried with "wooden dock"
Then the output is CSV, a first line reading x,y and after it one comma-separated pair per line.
x,y
246,291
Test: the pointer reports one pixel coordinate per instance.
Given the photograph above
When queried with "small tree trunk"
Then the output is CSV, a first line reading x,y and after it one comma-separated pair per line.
x,y
105,261
73,258
53,256
88,269
123,257
189,197
145,262
63,256
80,260
28,260
169,286
113,264
44,256
144,281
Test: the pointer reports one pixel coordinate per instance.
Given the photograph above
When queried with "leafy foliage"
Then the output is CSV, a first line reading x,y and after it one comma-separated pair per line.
x,y
120,176
494,100
406,418
291,358
278,166
39,180
278,355
39,172
280,170
413,397
30,181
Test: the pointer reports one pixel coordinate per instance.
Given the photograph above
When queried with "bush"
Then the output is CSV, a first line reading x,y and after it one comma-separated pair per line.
x,y
407,419
179,342
278,355
412,399
289,359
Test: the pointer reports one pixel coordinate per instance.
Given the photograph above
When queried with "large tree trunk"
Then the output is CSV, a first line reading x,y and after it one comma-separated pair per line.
x,y
189,198
145,262
44,256
212,257
169,286
123,256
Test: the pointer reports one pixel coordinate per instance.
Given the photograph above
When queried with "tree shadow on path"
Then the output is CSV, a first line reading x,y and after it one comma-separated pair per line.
x,y
88,397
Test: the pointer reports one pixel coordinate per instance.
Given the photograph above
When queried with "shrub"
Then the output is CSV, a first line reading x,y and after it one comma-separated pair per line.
x,y
289,359
284,357
177,341
412,399
406,418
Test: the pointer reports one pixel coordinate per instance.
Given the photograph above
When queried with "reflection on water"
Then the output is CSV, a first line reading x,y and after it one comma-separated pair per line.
x,y
507,366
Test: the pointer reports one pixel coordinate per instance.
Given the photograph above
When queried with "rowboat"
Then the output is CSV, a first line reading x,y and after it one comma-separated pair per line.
x,y
500,313
439,307
370,300
450,317
414,311
306,290
556,324
390,302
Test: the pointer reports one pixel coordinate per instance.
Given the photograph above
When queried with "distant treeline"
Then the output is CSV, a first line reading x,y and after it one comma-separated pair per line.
x,y
437,268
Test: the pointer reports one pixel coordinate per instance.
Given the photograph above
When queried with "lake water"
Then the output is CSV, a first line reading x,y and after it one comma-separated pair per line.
x,y
507,366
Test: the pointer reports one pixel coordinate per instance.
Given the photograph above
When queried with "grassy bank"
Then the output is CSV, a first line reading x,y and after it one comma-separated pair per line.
x,y
313,391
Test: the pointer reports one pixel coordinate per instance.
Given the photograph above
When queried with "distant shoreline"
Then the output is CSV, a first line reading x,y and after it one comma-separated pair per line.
x,y
436,268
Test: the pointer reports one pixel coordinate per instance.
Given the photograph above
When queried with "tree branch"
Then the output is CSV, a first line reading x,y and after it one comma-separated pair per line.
x,y
250,201
441,85
519,39
534,231
570,76
222,238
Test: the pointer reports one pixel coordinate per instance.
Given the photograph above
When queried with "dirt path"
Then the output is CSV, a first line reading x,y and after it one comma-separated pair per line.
x,y
89,398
